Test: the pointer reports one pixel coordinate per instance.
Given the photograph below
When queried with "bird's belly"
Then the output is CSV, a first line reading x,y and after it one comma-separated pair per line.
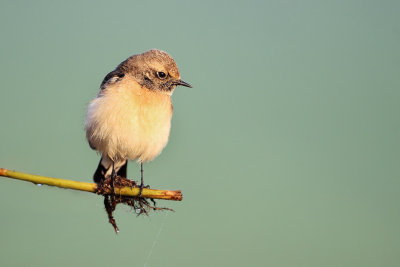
x,y
146,135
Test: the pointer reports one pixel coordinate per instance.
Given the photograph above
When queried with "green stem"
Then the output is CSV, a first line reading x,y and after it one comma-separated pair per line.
x,y
91,187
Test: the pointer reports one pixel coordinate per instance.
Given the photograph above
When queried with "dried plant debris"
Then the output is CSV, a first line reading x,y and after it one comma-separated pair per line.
x,y
139,205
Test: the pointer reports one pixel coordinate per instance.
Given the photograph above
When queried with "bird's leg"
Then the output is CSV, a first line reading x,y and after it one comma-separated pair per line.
x,y
141,180
113,176
141,174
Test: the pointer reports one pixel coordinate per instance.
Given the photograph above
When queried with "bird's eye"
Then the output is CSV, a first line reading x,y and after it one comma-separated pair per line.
x,y
161,75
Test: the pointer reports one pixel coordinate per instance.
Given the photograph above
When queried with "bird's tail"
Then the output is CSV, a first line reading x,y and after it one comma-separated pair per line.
x,y
104,169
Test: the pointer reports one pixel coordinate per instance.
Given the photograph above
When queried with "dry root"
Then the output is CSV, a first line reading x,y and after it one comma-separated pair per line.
x,y
139,205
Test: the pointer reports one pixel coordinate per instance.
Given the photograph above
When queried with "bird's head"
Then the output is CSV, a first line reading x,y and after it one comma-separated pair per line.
x,y
155,70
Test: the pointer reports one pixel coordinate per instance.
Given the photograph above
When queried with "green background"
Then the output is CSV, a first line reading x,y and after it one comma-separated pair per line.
x,y
286,150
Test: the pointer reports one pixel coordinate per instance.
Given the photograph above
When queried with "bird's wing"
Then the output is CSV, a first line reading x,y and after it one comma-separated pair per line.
x,y
111,78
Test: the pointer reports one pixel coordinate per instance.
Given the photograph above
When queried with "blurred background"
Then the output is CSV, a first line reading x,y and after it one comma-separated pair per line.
x,y
286,149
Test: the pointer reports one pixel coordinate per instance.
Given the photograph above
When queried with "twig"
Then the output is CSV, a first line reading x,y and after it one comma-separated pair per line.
x,y
92,187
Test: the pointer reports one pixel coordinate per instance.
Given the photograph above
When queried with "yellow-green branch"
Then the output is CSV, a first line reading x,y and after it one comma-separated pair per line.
x,y
91,187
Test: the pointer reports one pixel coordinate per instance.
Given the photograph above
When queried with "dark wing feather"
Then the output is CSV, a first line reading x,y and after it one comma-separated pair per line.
x,y
112,77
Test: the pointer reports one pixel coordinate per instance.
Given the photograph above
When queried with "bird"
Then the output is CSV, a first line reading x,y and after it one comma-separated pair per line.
x,y
130,119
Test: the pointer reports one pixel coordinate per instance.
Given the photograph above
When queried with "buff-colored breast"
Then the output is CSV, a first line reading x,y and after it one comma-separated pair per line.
x,y
127,121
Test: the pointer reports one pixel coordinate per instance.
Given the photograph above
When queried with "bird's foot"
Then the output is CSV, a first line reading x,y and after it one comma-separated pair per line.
x,y
141,186
133,184
107,186
103,187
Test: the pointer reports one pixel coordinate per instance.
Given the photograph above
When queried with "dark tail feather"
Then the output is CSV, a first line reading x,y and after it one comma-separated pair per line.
x,y
100,174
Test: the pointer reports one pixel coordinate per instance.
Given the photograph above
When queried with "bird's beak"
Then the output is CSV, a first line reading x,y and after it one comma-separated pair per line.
x,y
180,82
